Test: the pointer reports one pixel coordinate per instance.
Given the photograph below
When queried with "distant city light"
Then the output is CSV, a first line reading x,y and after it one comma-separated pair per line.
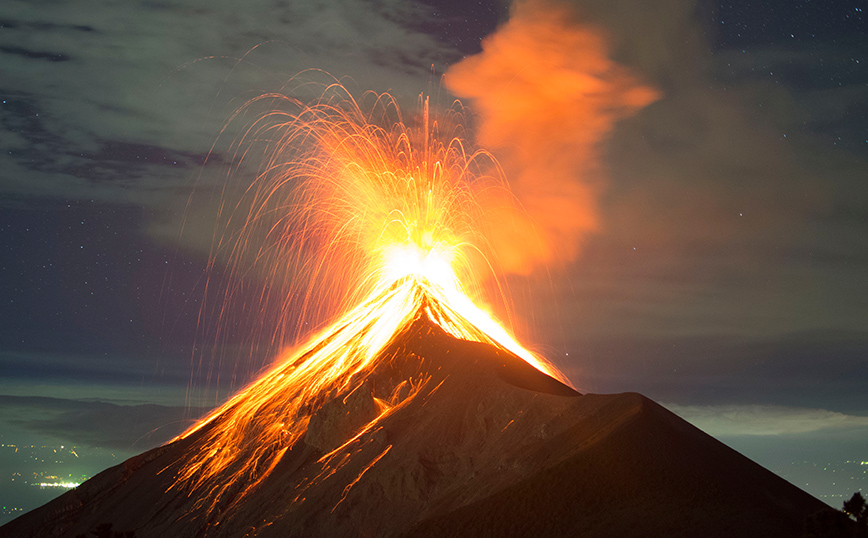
x,y
67,485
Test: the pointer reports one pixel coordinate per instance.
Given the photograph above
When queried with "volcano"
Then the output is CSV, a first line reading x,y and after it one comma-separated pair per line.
x,y
443,436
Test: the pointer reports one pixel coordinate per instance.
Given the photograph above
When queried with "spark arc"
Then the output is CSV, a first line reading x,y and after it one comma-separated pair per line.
x,y
387,212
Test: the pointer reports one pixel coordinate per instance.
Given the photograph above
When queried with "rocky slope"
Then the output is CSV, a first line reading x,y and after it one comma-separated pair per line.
x,y
478,444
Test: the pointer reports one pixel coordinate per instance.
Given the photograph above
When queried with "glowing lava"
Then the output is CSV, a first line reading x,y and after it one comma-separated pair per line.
x,y
393,209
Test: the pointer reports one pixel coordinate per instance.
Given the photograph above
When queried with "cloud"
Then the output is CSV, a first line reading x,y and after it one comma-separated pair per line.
x,y
95,423
128,370
740,420
161,78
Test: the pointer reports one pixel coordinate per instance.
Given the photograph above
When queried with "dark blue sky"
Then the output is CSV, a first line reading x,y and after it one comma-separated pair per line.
x,y
729,270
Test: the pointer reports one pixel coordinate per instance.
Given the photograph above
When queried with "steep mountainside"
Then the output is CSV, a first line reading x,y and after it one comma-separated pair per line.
x,y
477,443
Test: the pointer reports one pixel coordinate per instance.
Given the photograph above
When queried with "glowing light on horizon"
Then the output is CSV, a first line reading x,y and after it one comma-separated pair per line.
x,y
65,485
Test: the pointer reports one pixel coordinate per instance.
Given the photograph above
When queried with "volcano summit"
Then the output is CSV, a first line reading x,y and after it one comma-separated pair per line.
x,y
443,437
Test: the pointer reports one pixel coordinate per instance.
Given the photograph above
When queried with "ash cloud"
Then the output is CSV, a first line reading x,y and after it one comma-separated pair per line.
x,y
547,96
723,213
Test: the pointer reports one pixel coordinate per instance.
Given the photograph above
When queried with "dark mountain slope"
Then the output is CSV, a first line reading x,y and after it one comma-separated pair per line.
x,y
650,474
476,443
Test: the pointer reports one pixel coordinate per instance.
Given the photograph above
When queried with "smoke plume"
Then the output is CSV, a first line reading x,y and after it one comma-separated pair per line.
x,y
546,95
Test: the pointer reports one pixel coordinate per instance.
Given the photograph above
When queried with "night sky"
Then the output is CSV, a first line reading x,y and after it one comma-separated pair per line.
x,y
728,278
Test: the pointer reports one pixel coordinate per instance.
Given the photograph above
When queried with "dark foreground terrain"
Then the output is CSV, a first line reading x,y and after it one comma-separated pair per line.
x,y
486,447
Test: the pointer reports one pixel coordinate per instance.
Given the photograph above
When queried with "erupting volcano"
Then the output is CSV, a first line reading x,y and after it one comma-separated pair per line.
x,y
394,209
415,413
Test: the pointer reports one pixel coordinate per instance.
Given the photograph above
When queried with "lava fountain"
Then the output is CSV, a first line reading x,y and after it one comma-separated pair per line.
x,y
362,201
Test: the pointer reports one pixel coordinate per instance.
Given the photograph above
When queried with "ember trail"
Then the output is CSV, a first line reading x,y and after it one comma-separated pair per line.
x,y
390,216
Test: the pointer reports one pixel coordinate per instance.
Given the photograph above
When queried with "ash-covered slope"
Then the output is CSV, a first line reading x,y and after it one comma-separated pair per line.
x,y
478,444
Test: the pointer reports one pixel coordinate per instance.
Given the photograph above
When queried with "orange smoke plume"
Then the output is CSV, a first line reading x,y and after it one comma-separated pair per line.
x,y
547,95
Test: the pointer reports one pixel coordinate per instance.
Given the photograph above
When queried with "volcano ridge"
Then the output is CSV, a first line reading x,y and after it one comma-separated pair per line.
x,y
457,450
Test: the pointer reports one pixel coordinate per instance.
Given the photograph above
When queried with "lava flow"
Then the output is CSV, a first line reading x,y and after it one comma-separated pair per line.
x,y
393,208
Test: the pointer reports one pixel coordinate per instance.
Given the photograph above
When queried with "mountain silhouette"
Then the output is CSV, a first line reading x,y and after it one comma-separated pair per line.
x,y
446,437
